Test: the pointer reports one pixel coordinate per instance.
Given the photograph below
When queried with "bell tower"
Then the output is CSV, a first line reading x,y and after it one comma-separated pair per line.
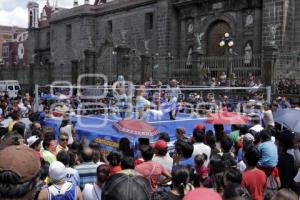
x,y
33,15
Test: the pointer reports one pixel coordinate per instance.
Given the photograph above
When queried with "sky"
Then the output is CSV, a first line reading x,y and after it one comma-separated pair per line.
x,y
14,12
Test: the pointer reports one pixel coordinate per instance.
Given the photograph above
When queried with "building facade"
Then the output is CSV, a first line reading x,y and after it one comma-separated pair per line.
x,y
8,33
166,38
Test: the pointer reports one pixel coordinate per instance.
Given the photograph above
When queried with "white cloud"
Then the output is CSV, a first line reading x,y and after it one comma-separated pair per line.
x,y
16,17
61,3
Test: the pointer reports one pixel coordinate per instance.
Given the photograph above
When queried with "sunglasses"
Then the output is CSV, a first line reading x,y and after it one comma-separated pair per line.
x,y
63,139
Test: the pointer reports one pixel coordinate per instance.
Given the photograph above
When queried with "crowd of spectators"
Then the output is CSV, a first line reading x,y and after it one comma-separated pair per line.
x,y
288,86
249,162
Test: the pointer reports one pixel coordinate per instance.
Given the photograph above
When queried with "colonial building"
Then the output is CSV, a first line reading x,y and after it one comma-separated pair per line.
x,y
15,51
8,33
166,38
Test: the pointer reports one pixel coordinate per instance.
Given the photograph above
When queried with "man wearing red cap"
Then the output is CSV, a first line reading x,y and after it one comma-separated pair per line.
x,y
162,156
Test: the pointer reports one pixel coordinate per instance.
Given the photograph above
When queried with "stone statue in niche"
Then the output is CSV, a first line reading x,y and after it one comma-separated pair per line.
x,y
249,20
199,40
90,42
189,57
190,27
146,45
248,54
273,31
123,36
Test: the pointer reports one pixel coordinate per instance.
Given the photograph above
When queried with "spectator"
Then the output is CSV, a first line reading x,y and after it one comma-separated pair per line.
x,y
19,127
87,169
49,152
216,173
232,176
60,188
219,132
15,118
126,186
254,180
71,174
285,194
203,193
62,142
181,185
93,191
162,156
268,116
199,146
268,152
227,156
235,191
34,142
286,163
68,129
183,155
19,172
152,170
124,147
235,133
114,160
283,103
201,169
164,136
127,163
256,128
181,134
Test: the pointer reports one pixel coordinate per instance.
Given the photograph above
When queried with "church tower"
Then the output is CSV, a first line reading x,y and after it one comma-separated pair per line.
x,y
33,15
75,3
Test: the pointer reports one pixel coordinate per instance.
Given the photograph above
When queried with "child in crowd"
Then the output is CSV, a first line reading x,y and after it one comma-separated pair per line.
x,y
201,170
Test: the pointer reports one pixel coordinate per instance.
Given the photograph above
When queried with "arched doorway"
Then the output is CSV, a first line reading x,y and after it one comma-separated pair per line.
x,y
215,34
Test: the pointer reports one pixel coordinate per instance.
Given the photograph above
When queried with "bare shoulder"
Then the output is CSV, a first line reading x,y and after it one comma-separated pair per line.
x,y
43,195
79,194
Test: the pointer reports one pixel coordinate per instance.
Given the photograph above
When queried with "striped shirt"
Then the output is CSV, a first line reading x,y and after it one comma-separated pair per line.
x,y
87,173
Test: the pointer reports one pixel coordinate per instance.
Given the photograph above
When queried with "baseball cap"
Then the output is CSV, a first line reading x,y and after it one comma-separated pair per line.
x,y
249,137
21,160
126,186
204,193
160,144
57,171
200,126
31,140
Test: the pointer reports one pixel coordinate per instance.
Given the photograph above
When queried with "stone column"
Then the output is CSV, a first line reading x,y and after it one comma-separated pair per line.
x,y
122,61
268,63
197,67
90,58
50,72
31,78
146,67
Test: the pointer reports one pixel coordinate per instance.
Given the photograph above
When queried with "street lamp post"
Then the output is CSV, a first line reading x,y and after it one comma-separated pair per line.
x,y
228,43
169,58
154,57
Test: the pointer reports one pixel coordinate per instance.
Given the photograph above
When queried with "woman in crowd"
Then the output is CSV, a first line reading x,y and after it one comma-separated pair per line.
x,y
93,191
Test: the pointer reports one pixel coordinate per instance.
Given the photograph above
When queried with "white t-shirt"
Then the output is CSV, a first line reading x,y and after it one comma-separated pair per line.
x,y
268,118
165,161
91,192
141,101
257,128
200,148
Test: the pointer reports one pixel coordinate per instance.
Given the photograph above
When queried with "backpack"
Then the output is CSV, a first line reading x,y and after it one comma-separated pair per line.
x,y
67,192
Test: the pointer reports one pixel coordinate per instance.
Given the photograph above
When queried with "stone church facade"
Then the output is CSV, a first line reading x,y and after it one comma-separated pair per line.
x,y
165,38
